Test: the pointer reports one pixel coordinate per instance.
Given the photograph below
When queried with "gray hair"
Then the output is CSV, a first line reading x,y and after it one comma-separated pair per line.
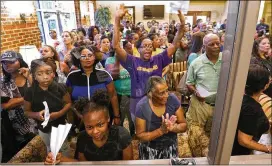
x,y
152,82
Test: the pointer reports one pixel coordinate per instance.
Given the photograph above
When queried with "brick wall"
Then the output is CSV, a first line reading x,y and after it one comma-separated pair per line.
x,y
16,33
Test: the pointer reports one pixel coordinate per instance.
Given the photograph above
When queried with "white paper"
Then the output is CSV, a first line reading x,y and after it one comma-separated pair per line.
x,y
203,92
179,5
53,139
46,114
58,136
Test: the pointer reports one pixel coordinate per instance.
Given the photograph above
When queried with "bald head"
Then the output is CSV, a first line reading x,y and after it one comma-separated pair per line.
x,y
209,37
211,43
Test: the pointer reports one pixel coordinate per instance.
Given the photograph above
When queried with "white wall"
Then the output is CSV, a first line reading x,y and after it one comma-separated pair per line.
x,y
217,8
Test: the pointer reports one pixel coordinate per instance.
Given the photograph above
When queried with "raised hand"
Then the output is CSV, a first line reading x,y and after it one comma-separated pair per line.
x,y
181,18
121,11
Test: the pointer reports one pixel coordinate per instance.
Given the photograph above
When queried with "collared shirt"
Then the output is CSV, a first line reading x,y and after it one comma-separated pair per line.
x,y
206,74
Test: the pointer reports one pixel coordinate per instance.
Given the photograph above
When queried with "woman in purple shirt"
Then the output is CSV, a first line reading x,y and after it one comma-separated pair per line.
x,y
140,69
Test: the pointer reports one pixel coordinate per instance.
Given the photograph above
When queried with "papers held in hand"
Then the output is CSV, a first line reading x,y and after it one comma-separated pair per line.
x,y
179,5
46,114
203,92
58,135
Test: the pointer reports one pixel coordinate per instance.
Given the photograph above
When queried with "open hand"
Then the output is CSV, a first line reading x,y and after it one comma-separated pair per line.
x,y
121,11
170,122
50,160
164,127
181,18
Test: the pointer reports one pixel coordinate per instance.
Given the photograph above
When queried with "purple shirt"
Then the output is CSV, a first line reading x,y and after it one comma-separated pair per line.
x,y
140,71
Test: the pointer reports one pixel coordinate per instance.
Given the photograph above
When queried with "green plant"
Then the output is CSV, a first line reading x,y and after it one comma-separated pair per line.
x,y
102,16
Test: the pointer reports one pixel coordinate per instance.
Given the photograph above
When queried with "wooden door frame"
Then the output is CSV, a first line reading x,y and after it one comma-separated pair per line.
x,y
198,13
133,17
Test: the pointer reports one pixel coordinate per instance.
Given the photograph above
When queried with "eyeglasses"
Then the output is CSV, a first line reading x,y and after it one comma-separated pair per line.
x,y
84,57
147,46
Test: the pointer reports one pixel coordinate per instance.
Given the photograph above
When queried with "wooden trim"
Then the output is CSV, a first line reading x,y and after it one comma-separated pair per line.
x,y
78,13
198,13
133,7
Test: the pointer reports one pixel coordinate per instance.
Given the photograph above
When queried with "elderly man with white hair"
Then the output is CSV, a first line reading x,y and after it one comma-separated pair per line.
x,y
202,80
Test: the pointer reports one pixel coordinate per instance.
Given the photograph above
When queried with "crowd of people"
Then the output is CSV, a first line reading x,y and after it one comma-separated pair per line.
x,y
97,79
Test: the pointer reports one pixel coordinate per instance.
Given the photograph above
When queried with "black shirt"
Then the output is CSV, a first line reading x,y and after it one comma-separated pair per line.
x,y
252,121
118,140
23,89
53,96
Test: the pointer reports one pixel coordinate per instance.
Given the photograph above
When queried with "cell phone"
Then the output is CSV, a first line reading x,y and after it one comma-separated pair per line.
x,y
179,161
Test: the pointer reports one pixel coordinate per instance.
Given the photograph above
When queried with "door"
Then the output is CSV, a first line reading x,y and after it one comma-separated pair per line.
x,y
204,15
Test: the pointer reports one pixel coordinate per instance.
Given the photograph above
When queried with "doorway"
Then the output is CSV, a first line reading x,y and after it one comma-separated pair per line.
x,y
192,16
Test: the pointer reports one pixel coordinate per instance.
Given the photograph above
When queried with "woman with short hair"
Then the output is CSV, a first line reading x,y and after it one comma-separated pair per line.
x,y
159,117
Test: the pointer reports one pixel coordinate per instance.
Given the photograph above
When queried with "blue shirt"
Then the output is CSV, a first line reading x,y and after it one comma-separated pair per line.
x,y
153,122
191,58
84,86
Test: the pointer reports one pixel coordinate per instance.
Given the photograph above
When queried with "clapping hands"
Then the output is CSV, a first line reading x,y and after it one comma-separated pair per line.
x,y
168,124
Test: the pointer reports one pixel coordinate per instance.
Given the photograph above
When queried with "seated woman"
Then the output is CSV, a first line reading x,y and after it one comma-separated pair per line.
x,y
252,121
159,117
100,141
